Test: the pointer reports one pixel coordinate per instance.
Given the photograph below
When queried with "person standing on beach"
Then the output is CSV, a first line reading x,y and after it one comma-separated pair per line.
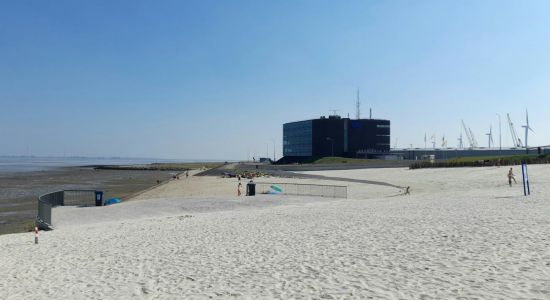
x,y
511,176
239,189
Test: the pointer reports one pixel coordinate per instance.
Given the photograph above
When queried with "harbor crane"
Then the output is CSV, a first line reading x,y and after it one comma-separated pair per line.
x,y
513,133
469,135
473,138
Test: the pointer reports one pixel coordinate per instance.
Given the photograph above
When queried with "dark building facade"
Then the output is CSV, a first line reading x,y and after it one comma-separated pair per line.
x,y
336,136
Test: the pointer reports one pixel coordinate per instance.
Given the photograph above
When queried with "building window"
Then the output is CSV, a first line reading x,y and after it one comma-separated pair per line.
x,y
297,138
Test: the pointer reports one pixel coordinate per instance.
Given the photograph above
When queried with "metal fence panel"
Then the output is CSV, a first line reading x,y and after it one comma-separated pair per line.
x,y
61,198
79,198
44,218
332,191
45,204
55,199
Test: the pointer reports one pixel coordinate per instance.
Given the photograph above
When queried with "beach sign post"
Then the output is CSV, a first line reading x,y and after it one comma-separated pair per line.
x,y
36,235
526,189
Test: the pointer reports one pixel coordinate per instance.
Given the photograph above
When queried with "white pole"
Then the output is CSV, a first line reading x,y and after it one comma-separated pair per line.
x,y
499,134
526,131
36,235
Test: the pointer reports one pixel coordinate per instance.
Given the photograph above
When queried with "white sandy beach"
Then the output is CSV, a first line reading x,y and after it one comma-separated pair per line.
x,y
461,234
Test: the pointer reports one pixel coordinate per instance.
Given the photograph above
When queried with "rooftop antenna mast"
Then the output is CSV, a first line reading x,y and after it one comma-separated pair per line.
x,y
358,107
334,112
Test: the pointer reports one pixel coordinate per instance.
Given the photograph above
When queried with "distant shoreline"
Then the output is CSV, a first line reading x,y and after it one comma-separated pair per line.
x,y
159,166
12,164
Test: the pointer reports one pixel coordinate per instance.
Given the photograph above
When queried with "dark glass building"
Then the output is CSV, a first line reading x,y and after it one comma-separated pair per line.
x,y
336,136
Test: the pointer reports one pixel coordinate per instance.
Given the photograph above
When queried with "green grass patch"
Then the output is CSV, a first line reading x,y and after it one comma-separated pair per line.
x,y
493,158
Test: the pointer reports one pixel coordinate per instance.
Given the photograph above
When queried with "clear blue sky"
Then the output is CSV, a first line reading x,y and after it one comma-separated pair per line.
x,y
217,79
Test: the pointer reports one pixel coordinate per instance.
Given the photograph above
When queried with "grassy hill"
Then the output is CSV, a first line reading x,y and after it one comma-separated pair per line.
x,y
340,160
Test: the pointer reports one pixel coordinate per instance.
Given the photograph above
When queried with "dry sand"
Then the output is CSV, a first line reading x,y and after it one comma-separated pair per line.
x,y
199,187
462,233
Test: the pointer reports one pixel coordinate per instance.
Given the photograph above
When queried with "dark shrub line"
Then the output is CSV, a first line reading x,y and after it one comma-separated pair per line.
x,y
507,161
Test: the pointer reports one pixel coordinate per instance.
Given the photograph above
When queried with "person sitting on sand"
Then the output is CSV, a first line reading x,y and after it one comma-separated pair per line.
x,y
511,176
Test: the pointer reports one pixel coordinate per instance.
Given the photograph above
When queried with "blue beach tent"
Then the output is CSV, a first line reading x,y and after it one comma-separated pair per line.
x,y
275,189
112,201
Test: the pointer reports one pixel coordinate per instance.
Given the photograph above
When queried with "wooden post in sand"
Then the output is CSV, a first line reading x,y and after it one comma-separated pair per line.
x,y
36,235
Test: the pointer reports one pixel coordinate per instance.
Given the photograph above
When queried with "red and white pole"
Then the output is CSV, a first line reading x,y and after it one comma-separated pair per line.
x,y
36,235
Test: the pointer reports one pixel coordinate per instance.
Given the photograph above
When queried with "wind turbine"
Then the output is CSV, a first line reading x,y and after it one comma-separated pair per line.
x,y
490,135
527,128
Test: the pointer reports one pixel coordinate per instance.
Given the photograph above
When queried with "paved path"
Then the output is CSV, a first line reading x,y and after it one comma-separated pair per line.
x,y
233,167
